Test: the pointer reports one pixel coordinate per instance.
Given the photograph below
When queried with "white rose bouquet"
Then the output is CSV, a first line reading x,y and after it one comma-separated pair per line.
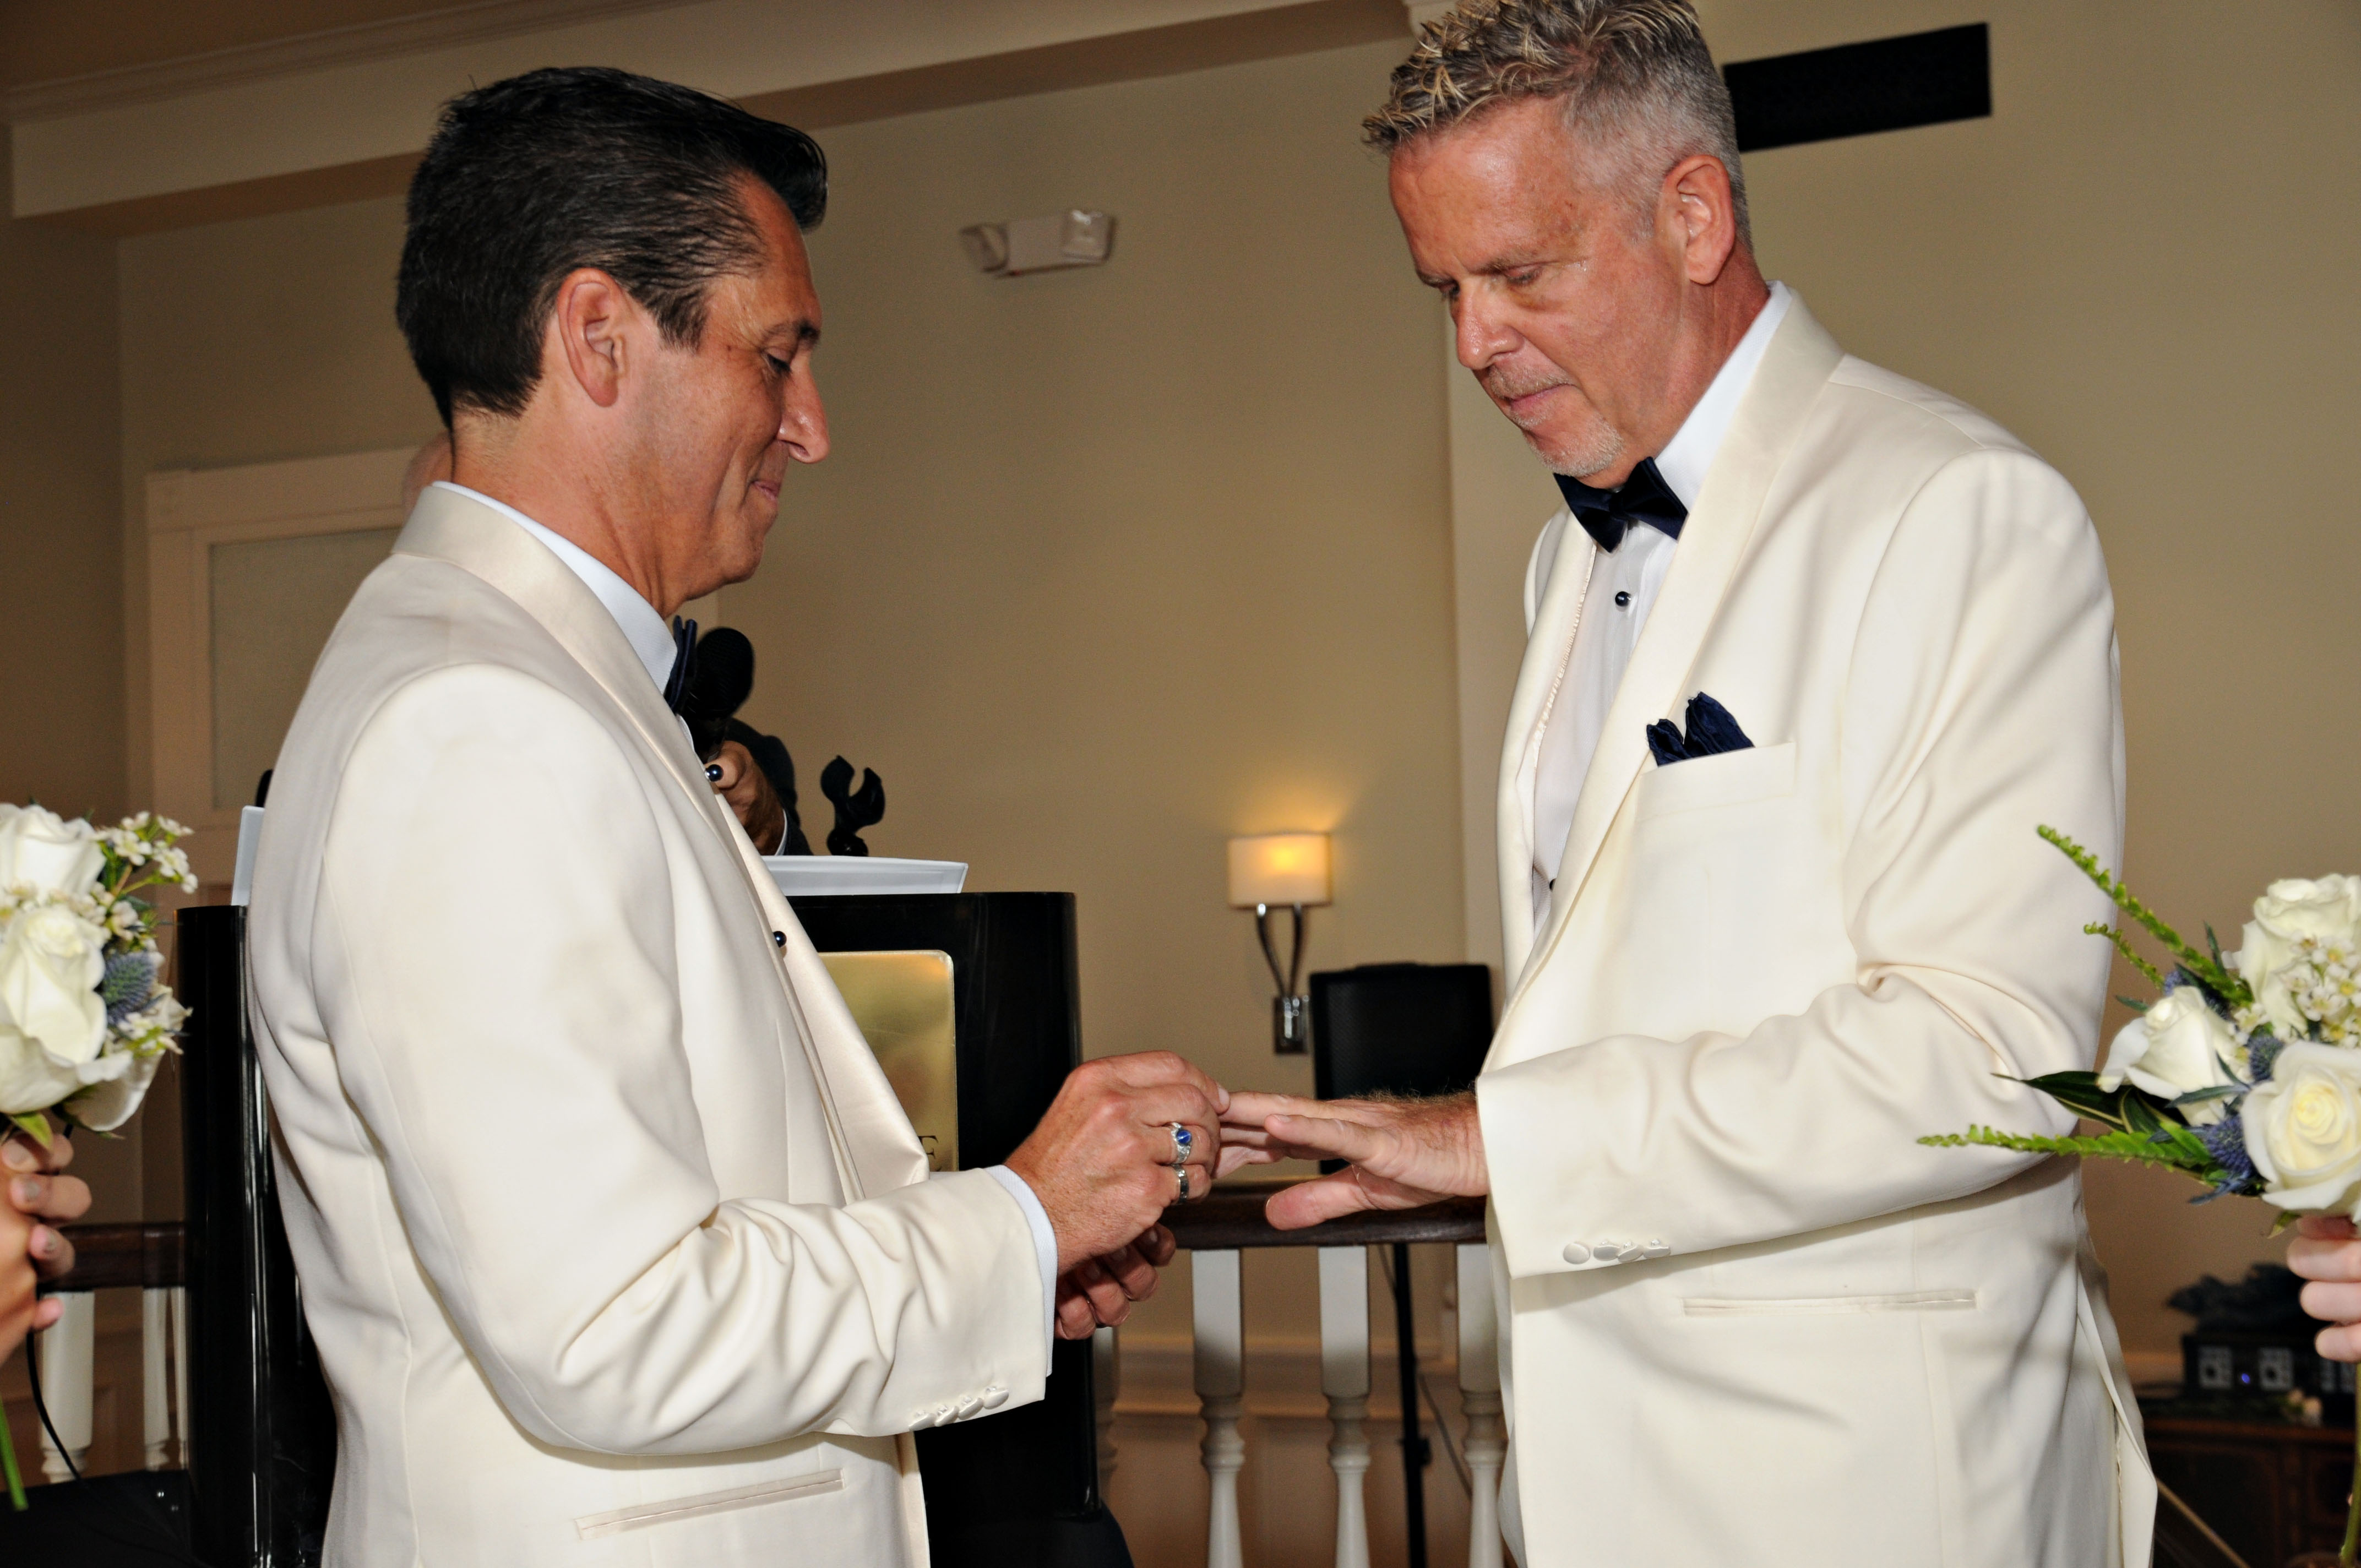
x,y
83,1017
2243,1073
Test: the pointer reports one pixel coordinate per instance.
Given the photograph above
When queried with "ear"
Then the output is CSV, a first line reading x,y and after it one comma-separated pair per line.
x,y
592,323
1703,219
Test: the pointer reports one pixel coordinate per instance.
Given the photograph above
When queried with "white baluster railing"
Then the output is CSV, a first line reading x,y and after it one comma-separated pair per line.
x,y
1232,1219
1221,1366
1479,1401
1345,1379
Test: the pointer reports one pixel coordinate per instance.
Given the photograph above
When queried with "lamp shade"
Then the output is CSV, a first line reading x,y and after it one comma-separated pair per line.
x,y
1279,868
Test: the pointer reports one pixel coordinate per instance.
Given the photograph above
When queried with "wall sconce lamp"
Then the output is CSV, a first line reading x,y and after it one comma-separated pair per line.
x,y
1267,871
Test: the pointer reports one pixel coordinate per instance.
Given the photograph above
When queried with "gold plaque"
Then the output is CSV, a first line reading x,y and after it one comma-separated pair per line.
x,y
903,1002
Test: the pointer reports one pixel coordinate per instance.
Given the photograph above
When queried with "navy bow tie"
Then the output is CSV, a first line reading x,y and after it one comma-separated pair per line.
x,y
677,688
1607,515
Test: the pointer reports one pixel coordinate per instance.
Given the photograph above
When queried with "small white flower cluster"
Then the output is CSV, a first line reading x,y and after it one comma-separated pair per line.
x,y
2321,983
82,1022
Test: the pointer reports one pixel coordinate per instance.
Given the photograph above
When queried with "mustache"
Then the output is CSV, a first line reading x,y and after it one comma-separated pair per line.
x,y
1503,385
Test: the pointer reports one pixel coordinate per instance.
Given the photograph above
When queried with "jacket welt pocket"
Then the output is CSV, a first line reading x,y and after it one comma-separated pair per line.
x,y
1732,778
786,1488
1827,1306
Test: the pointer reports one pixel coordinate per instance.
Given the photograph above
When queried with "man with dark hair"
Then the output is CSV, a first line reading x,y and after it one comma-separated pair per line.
x,y
1812,653
614,1240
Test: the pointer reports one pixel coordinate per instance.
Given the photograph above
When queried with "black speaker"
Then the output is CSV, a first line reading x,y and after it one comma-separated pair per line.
x,y
1399,1028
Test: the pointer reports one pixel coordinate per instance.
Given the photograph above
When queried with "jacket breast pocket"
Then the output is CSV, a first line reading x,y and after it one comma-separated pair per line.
x,y
1733,778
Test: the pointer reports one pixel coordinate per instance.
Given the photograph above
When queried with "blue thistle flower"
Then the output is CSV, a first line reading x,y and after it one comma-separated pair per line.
x,y
128,984
2225,1140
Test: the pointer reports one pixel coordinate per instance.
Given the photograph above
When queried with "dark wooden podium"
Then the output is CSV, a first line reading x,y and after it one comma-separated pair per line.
x,y
1018,1487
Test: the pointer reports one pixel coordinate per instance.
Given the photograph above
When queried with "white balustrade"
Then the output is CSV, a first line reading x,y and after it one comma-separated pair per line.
x,y
179,1297
1479,1402
69,1349
1107,1383
1220,1368
1345,1379
155,1402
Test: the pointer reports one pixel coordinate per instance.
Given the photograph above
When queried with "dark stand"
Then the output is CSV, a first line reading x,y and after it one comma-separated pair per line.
x,y
1022,1485
262,1433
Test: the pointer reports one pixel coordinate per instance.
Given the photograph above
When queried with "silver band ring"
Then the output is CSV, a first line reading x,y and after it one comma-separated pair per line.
x,y
1182,1172
1183,1140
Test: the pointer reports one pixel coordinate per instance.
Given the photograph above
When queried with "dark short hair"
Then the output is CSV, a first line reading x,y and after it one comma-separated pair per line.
x,y
530,178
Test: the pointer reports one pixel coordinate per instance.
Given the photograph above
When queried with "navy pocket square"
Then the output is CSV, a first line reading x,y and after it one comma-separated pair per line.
x,y
1712,731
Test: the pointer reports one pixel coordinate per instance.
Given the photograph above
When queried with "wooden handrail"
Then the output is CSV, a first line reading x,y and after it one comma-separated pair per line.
x,y
152,1257
149,1257
1233,1217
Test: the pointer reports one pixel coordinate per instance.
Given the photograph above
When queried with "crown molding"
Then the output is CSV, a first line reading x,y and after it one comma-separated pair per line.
x,y
356,45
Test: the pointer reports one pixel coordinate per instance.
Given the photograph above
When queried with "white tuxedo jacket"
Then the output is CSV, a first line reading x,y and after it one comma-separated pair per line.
x,y
615,1244
1749,1319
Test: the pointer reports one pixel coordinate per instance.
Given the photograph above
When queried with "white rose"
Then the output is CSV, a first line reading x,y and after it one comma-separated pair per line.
x,y
50,969
2304,1128
30,1079
2179,1046
42,851
107,1105
2328,910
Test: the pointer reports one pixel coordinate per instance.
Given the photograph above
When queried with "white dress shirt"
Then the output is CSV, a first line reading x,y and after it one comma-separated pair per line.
x,y
645,631
1623,588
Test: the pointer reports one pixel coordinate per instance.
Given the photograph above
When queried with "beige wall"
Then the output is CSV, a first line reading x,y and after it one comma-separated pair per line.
x,y
1109,566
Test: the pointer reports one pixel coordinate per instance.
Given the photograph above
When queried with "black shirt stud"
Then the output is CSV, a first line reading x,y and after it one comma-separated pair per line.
x,y
1622,599
778,939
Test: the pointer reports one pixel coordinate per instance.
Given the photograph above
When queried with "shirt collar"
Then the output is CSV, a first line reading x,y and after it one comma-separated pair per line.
x,y
1689,455
641,627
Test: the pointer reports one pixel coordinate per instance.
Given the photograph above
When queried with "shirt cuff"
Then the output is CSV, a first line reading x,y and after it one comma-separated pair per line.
x,y
1045,1243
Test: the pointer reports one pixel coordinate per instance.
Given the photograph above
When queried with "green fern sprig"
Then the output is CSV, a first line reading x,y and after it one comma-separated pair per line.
x,y
2215,975
2173,1154
2124,945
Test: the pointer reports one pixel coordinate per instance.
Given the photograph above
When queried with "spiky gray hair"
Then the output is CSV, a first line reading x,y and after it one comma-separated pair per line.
x,y
1634,76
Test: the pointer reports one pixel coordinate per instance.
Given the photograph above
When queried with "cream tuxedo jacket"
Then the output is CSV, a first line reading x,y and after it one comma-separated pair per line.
x,y
1750,1320
616,1244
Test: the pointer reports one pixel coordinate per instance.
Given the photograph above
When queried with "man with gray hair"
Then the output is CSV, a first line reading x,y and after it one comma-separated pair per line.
x,y
1813,652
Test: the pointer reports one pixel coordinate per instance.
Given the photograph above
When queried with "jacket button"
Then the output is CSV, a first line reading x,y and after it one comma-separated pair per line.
x,y
1575,1253
1653,1249
778,939
1609,1251
995,1397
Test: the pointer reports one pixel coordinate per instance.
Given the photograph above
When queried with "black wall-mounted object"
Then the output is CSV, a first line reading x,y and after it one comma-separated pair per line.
x,y
262,1433
1856,90
1021,1486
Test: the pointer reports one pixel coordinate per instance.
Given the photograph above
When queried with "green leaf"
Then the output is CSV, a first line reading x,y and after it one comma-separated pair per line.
x,y
2136,1148
33,1125
2080,1092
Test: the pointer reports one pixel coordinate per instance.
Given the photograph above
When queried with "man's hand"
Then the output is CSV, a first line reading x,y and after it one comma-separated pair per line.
x,y
1405,1153
2327,1252
1100,1291
747,790
1101,1160
30,1250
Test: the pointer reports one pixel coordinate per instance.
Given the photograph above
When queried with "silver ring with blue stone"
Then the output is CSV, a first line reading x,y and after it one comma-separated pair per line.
x,y
1183,1140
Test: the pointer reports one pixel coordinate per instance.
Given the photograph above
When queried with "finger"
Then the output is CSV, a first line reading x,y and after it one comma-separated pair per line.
x,y
1250,1108
1330,1138
1107,1298
1235,1159
2325,1227
2315,1258
52,1254
50,1309
1133,1275
19,1153
2340,1343
1148,1069
1310,1202
2332,1303
1164,1105
49,1197
1157,1245
1075,1318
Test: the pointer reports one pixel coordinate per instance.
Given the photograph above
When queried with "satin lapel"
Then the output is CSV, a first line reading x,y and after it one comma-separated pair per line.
x,y
873,1144
1547,648
1795,367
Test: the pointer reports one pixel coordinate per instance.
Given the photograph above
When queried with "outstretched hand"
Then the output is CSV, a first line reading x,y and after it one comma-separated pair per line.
x,y
1404,1153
